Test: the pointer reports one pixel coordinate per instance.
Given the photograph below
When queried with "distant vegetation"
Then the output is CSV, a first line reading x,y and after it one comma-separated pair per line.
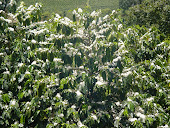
x,y
63,6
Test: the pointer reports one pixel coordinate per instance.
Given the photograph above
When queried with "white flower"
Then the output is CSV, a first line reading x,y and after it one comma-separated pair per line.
x,y
126,73
166,126
113,11
100,83
33,41
94,117
116,59
117,118
17,71
21,125
160,90
75,72
50,108
19,87
80,124
29,92
119,26
61,115
81,67
10,29
94,13
150,99
74,12
138,114
128,99
58,95
160,44
136,93
80,10
33,63
105,17
27,73
73,106
28,48
7,72
118,103
13,103
78,93
157,67
132,119
55,124
20,64
1,54
57,60
65,102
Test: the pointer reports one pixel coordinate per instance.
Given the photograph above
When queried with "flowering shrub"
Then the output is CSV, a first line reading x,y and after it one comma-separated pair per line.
x,y
91,71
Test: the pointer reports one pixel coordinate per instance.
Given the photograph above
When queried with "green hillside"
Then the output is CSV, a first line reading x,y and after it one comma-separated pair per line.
x,y
61,6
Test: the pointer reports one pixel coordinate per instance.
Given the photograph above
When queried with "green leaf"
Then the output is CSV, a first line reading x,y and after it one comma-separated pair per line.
x,y
5,98
125,112
22,119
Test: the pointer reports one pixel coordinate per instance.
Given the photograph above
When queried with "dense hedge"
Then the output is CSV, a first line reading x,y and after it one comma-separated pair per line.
x,y
91,71
150,13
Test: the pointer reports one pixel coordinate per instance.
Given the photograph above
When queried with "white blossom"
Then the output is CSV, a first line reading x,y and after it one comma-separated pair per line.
x,y
28,48
138,114
119,26
11,29
80,124
100,83
80,10
58,95
7,72
13,102
50,108
128,99
116,59
78,93
73,106
118,103
33,41
33,63
125,74
150,99
113,11
166,126
61,115
136,93
1,54
20,64
21,125
74,12
94,116
160,90
55,124
19,87
132,119
27,73
94,13
117,118
157,67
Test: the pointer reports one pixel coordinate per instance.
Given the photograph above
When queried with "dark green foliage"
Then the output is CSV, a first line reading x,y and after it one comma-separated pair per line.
x,y
149,13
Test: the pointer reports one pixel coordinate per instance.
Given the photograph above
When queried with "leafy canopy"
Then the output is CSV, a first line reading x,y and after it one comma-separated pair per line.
x,y
91,71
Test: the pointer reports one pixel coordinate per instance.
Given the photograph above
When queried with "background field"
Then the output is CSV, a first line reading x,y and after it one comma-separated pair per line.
x,y
63,6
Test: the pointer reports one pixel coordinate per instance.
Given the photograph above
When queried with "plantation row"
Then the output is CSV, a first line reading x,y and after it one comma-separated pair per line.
x,y
92,71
